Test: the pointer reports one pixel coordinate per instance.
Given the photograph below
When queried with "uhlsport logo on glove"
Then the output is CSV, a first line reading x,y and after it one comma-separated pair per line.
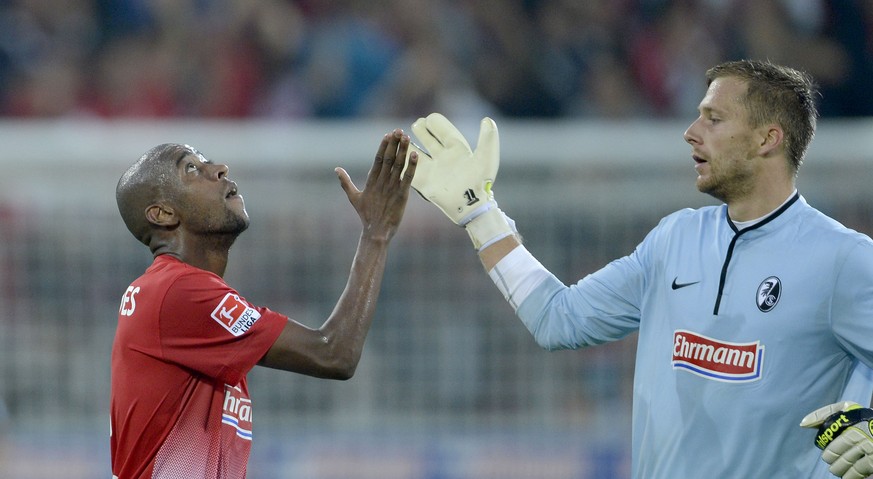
x,y
839,422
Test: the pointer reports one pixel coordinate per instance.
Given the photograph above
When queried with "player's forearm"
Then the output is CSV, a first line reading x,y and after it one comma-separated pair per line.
x,y
492,255
519,277
347,326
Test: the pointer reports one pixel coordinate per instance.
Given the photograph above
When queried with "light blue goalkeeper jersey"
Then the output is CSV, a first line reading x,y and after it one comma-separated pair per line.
x,y
741,334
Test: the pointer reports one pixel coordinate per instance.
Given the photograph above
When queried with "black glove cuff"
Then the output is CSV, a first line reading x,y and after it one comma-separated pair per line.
x,y
838,422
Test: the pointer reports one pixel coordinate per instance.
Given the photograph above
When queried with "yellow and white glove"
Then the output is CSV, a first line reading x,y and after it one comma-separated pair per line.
x,y
459,180
845,437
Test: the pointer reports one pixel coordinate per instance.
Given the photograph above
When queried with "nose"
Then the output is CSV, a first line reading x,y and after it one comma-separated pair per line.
x,y
221,171
690,133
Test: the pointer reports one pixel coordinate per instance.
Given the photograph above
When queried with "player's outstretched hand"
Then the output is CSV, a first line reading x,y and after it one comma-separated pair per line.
x,y
845,437
458,179
381,203
452,176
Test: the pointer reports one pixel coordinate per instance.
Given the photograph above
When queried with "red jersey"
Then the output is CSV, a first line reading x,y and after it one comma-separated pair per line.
x,y
179,405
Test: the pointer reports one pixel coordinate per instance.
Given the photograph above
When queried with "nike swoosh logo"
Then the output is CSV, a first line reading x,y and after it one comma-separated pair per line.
x,y
676,285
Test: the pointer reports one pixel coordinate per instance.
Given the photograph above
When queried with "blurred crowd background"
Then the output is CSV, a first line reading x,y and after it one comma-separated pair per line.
x,y
399,58
591,96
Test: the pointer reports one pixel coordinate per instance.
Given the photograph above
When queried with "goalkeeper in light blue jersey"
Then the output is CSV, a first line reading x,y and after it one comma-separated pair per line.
x,y
750,314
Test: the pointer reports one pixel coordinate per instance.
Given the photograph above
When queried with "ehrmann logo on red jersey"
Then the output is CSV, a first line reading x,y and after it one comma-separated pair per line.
x,y
718,360
235,314
237,411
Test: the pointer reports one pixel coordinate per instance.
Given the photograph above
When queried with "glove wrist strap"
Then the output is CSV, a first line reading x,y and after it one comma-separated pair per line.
x,y
488,227
839,422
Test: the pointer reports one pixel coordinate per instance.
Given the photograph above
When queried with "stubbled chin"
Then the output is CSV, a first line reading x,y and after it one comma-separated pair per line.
x,y
703,184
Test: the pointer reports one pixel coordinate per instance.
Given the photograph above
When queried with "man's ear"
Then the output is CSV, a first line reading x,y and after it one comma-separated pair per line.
x,y
771,137
161,215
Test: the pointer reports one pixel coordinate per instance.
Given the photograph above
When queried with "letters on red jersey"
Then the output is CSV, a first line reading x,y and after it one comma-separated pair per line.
x,y
180,405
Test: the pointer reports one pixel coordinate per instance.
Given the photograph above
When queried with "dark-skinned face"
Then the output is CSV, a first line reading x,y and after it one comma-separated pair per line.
x,y
208,201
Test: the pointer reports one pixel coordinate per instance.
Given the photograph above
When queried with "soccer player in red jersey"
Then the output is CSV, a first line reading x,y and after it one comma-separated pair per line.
x,y
180,406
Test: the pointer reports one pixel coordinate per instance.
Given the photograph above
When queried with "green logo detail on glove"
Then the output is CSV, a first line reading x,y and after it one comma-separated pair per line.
x,y
839,422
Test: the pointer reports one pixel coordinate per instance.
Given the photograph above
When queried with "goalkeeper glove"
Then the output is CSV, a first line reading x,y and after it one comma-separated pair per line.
x,y
458,180
846,438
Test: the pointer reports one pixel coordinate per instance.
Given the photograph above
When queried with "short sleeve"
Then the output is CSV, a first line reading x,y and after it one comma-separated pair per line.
x,y
207,326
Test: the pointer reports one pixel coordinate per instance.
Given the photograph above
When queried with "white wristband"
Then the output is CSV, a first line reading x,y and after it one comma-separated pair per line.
x,y
489,227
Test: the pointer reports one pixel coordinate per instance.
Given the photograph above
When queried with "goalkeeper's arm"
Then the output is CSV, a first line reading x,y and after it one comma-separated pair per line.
x,y
492,255
459,181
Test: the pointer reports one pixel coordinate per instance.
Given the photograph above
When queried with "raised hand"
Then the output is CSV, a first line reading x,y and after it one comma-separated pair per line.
x,y
381,203
459,180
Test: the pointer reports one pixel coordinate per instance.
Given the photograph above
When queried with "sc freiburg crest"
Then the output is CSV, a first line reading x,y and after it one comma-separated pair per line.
x,y
769,292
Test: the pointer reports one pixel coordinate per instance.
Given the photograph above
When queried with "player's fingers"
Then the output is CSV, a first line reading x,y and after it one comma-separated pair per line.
x,y
425,136
378,162
346,182
391,163
846,453
853,454
489,139
409,168
413,148
853,474
839,467
488,148
441,128
864,466
842,444
818,417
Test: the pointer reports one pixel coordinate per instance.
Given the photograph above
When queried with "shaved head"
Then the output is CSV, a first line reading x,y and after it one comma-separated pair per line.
x,y
148,181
